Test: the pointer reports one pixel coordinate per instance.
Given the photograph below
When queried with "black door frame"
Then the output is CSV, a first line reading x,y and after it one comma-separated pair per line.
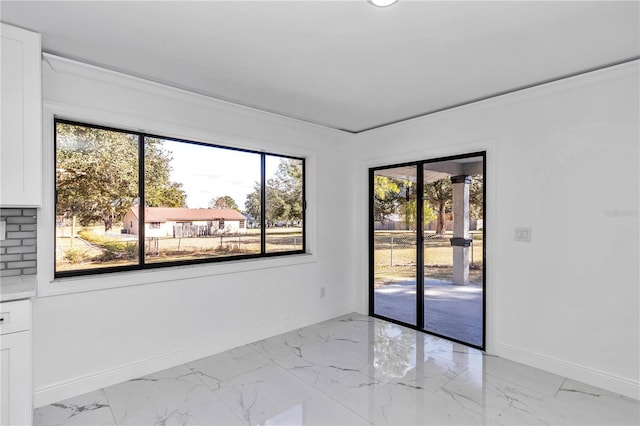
x,y
419,326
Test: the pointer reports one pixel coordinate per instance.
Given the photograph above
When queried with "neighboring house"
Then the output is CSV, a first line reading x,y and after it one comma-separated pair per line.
x,y
183,222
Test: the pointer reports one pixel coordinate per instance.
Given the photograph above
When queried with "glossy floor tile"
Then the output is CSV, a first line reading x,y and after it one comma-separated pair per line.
x,y
352,370
88,409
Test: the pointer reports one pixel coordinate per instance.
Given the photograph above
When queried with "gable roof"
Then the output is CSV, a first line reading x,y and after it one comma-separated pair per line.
x,y
173,214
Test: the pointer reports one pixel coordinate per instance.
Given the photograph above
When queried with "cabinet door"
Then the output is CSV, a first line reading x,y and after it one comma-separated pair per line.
x,y
15,379
21,127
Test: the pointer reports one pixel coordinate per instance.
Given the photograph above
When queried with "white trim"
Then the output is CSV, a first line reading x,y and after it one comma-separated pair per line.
x,y
601,379
79,385
559,85
70,66
109,280
83,70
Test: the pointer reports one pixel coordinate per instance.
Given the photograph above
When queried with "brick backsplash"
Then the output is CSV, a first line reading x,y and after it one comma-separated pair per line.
x,y
18,249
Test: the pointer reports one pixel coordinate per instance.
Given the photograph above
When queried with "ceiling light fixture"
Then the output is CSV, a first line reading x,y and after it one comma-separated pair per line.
x,y
382,3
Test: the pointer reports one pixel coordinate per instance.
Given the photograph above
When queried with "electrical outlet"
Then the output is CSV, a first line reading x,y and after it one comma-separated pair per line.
x,y
322,292
522,235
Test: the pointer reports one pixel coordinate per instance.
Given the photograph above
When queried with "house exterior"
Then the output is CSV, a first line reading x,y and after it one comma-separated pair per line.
x,y
184,222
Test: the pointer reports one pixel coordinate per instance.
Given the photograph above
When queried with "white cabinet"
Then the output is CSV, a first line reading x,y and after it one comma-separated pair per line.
x,y
16,405
21,126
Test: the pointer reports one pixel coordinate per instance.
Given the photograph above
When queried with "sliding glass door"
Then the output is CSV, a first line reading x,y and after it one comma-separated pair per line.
x,y
427,246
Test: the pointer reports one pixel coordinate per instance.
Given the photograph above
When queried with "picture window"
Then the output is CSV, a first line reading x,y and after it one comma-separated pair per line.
x,y
202,202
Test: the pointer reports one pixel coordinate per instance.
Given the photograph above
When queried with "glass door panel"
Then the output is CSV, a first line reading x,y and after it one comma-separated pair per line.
x,y
453,194
394,216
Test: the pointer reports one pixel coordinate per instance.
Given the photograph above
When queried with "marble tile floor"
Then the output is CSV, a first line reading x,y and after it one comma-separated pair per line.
x,y
351,370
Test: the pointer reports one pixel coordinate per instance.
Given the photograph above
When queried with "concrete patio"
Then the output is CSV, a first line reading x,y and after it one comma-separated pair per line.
x,y
453,311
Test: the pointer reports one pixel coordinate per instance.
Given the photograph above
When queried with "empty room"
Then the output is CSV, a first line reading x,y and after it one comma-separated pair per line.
x,y
361,212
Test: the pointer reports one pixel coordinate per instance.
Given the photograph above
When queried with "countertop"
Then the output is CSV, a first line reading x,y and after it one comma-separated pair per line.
x,y
14,288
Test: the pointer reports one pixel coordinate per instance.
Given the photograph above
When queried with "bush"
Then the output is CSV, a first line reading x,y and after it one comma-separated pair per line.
x,y
75,256
118,250
131,250
111,249
89,235
229,248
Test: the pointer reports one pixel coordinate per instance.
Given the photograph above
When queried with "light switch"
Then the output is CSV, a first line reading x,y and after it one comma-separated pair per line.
x,y
3,230
522,234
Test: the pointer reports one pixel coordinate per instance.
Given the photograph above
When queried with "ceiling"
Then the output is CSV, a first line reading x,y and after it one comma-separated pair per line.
x,y
342,64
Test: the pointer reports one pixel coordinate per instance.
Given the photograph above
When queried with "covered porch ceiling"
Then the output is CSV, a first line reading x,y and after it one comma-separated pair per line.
x,y
471,166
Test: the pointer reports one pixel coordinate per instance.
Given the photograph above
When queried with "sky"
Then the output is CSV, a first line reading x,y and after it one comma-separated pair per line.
x,y
207,172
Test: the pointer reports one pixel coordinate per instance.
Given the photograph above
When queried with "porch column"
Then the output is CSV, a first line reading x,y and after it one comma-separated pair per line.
x,y
460,241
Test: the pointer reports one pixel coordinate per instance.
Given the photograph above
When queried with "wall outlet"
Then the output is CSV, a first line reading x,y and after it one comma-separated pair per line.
x,y
322,292
522,234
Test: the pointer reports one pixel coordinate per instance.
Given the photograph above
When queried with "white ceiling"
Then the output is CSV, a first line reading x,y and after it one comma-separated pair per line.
x,y
343,64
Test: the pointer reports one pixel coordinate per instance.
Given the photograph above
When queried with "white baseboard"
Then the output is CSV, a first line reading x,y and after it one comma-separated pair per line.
x,y
601,379
59,391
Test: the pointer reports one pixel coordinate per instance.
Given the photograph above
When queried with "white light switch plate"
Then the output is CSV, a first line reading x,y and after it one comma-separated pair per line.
x,y
522,234
3,230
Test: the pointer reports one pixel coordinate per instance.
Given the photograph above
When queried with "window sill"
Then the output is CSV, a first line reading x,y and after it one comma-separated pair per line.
x,y
60,286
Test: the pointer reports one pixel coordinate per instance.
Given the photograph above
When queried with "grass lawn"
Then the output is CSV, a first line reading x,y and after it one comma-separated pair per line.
x,y
77,254
397,262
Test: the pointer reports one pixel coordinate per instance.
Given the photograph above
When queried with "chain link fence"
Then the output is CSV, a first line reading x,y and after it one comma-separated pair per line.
x,y
398,249
224,244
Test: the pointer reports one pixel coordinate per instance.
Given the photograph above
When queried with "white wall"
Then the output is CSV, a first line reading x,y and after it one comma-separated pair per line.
x,y
132,324
563,159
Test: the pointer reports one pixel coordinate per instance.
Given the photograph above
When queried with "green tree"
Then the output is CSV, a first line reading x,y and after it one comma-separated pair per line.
x,y
97,175
159,190
429,212
408,204
397,196
283,195
476,196
408,209
284,192
252,204
277,207
439,194
223,202
386,196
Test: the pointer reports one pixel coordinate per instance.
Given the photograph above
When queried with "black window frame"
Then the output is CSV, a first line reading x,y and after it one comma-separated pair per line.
x,y
142,265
